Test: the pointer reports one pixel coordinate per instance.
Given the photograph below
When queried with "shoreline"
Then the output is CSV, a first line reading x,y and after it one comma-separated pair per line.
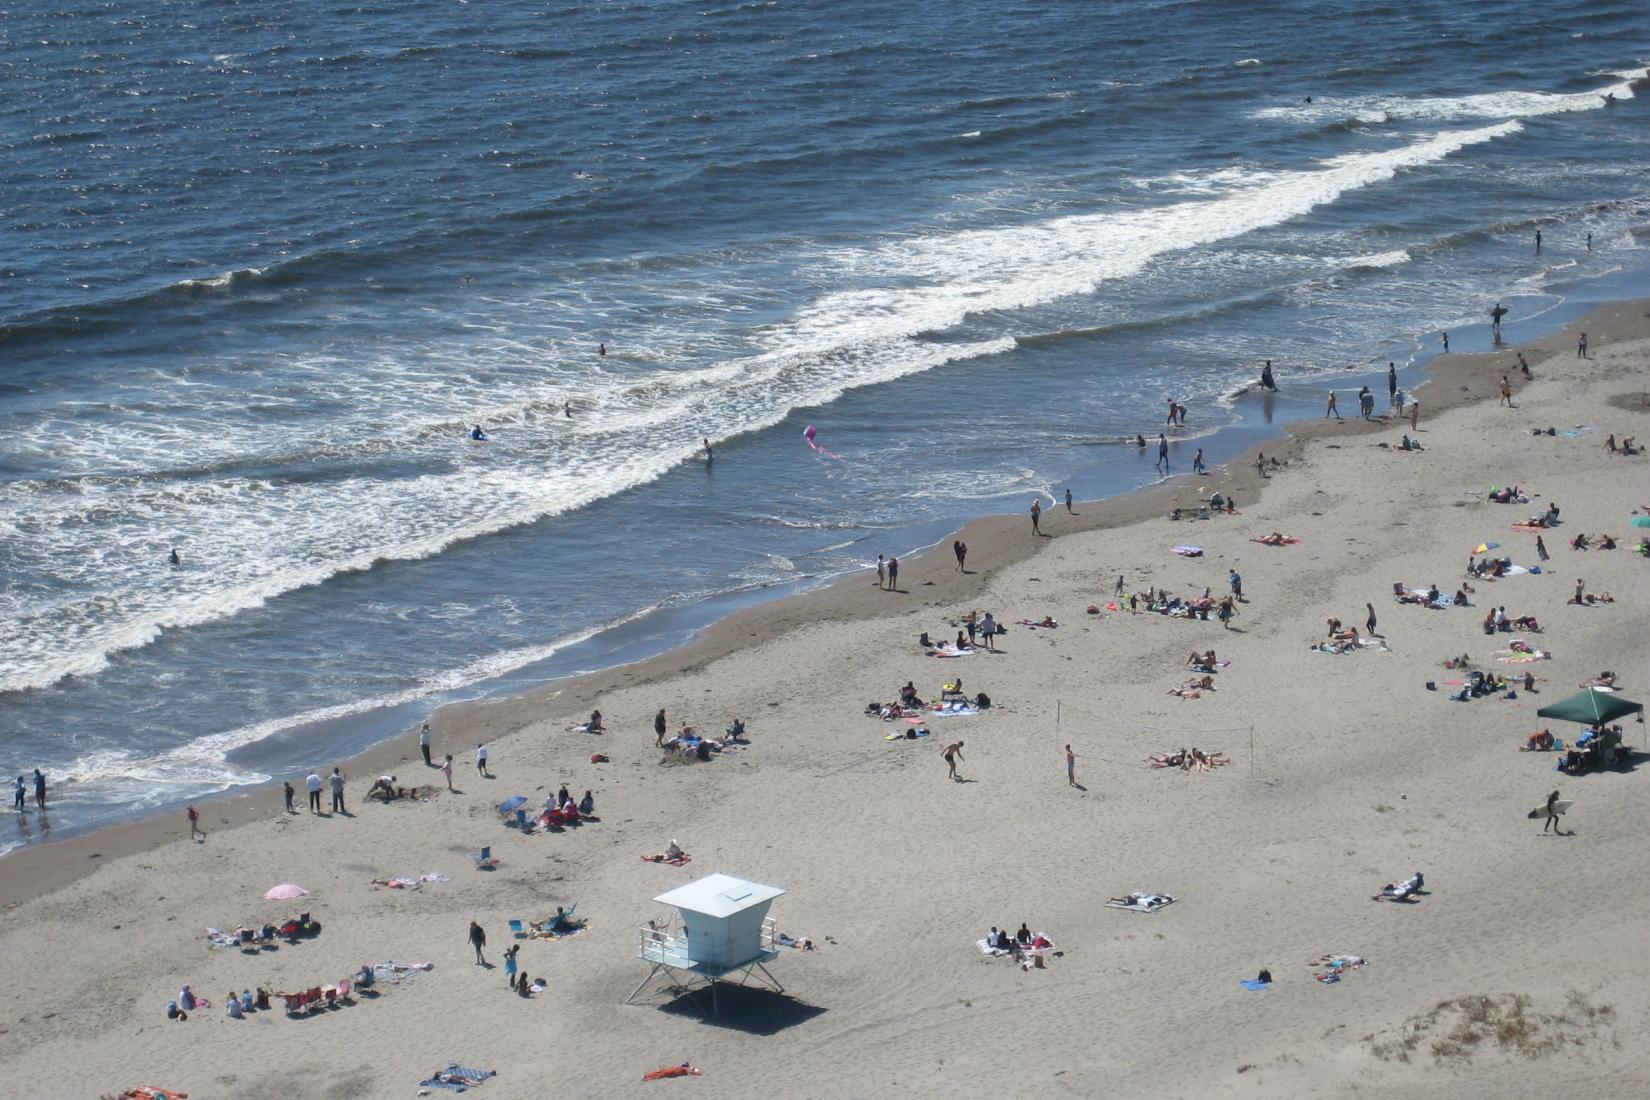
x,y
928,579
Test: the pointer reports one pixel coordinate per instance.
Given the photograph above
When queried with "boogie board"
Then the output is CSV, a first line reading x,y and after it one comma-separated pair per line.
x,y
1558,808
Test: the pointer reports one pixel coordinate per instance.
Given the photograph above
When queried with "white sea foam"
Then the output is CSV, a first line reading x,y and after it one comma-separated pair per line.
x,y
1381,109
197,473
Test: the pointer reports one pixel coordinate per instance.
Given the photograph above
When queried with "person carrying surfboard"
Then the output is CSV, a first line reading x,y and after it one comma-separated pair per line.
x,y
1553,810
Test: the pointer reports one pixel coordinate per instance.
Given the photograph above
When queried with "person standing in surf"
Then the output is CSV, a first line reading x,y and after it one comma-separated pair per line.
x,y
1391,383
1036,518
1266,380
1444,336
1162,453
710,455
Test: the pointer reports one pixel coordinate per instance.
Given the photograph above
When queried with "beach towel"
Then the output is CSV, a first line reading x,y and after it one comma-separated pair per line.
x,y
1253,984
1329,968
679,861
1529,528
987,949
1187,551
953,710
1141,902
953,653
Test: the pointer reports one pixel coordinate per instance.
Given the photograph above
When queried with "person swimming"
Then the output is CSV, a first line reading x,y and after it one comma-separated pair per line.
x,y
173,557
477,434
567,409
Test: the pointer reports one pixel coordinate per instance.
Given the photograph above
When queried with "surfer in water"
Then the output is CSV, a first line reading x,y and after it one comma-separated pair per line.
x,y
567,409
710,455
173,558
477,434
1266,380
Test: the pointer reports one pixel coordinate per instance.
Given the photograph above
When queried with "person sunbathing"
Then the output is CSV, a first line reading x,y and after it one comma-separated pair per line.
x,y
1274,539
1205,683
1168,759
1203,662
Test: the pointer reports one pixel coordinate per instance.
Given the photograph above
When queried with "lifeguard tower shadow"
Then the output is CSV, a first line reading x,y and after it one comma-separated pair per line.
x,y
712,956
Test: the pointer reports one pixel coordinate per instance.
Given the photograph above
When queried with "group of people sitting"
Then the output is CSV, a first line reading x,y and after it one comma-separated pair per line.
x,y
1498,620
1015,943
1188,759
1430,596
1480,684
560,809
1582,542
1488,567
1161,602
1599,747
689,743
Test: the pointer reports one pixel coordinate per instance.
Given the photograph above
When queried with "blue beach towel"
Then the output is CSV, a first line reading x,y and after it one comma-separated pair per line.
x,y
1253,984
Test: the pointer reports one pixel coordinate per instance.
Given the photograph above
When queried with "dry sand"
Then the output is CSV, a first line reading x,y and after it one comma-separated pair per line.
x,y
1346,774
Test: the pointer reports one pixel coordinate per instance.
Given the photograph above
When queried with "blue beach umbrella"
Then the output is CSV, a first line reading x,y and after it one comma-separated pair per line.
x,y
509,805
1640,521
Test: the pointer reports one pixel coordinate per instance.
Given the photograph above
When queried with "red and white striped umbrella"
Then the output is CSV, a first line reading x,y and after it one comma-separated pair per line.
x,y
286,891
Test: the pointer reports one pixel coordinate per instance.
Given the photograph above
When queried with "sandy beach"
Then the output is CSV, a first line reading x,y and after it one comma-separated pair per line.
x,y
1520,968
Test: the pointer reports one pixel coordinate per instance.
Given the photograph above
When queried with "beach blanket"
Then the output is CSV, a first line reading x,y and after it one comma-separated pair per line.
x,y
1529,528
1187,551
409,882
394,971
563,930
1445,599
1141,903
1329,968
457,1078
920,731
953,652
987,949
659,857
1253,984
953,709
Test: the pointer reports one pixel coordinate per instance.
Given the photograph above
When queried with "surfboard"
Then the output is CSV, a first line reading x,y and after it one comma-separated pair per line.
x,y
1558,808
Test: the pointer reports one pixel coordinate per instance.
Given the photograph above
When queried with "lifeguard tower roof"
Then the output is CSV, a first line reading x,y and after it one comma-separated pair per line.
x,y
719,895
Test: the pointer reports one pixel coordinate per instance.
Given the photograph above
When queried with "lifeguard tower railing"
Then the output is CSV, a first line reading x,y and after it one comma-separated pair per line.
x,y
665,944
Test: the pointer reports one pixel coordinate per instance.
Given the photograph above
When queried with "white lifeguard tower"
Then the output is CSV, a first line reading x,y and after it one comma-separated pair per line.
x,y
721,928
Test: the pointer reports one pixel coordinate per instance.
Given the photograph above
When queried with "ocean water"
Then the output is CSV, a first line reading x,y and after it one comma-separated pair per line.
x,y
263,266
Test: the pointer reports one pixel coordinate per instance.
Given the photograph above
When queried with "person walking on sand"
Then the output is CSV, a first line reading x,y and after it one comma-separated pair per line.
x,y
1540,549
1163,452
1331,410
1369,623
1415,415
337,791
953,753
960,548
1226,613
1069,512
1581,347
659,727
882,571
988,631
424,743
1445,337
287,792
1552,815
447,770
481,760
478,940
1235,580
1071,767
1506,392
312,783
893,573
1036,518
195,824
1391,383
1118,591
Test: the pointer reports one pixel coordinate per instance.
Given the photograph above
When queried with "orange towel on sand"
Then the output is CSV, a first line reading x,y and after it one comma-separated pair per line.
x,y
683,1070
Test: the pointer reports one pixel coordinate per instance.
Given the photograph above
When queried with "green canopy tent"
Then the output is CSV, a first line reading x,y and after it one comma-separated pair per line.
x,y
1590,708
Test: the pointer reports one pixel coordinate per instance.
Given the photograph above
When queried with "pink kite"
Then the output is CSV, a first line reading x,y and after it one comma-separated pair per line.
x,y
808,434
